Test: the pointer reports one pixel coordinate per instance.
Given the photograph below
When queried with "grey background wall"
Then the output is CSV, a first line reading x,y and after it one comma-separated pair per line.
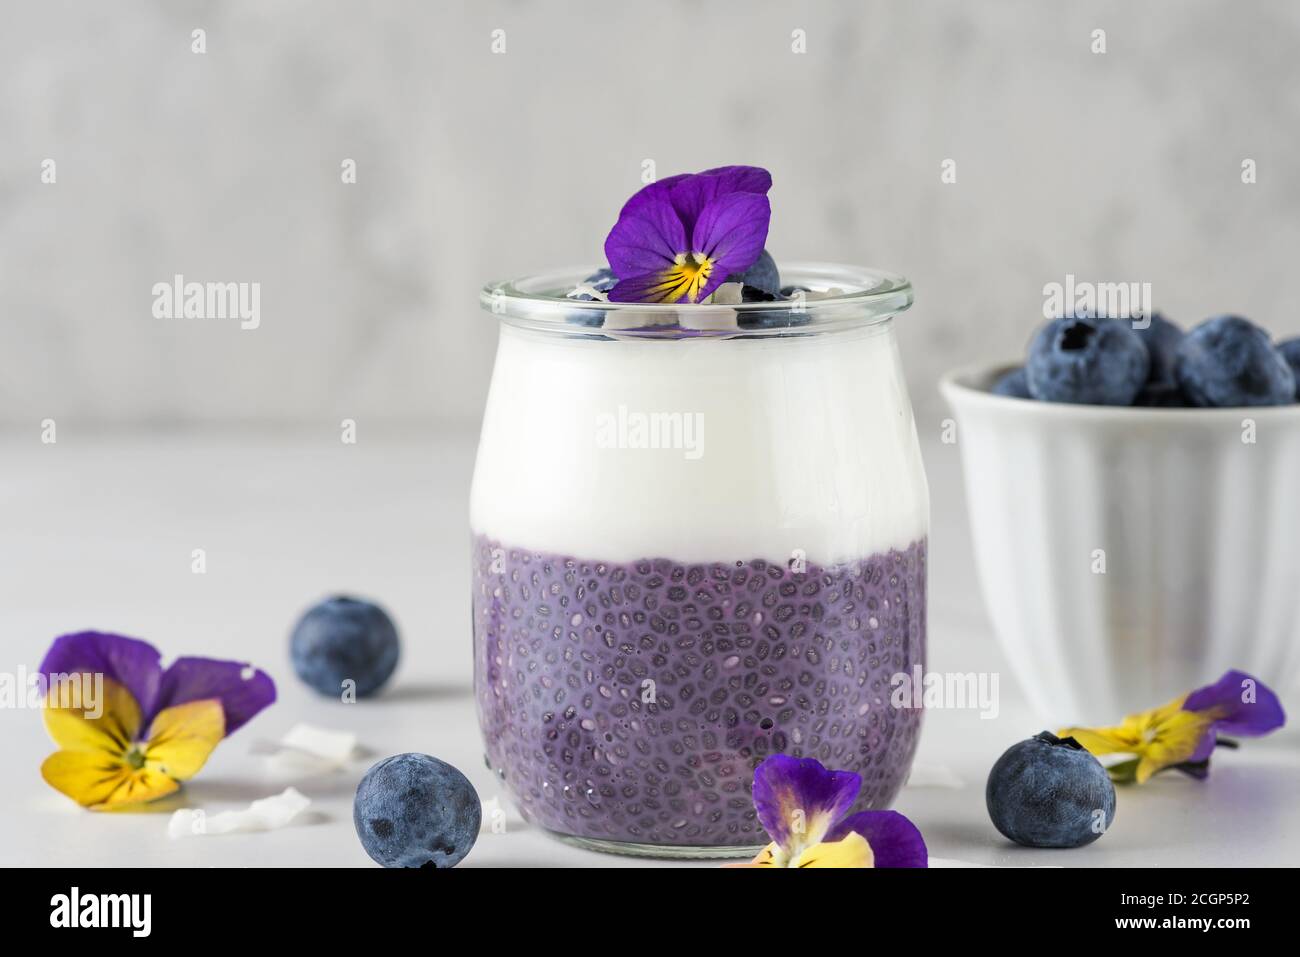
x,y
473,165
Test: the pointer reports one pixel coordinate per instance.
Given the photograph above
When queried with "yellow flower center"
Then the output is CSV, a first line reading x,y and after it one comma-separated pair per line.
x,y
134,757
1159,738
686,277
695,269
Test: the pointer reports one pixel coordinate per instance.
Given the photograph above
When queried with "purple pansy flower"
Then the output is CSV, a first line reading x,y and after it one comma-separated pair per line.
x,y
137,730
678,239
805,810
1239,706
137,665
1182,733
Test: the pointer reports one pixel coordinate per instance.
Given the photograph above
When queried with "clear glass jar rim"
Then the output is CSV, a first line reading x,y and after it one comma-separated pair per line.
x,y
846,296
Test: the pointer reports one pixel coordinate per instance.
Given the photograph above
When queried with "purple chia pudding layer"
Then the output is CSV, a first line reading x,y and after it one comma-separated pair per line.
x,y
630,702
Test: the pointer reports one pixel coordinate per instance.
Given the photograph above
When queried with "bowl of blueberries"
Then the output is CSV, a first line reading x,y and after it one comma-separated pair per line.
x,y
1132,496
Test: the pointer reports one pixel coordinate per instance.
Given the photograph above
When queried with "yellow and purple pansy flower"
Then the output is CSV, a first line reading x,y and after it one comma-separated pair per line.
x,y
1183,733
678,239
150,728
805,810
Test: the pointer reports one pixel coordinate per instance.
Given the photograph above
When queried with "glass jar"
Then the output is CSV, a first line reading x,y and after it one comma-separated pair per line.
x,y
699,538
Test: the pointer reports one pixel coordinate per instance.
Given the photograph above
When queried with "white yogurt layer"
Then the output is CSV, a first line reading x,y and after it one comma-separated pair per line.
x,y
701,449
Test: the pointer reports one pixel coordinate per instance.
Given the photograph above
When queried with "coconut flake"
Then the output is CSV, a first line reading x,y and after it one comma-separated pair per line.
x,y
728,294
831,292
308,749
588,290
264,815
336,747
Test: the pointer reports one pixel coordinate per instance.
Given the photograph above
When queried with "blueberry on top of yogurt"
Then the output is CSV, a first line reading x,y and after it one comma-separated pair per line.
x,y
695,239
594,287
762,275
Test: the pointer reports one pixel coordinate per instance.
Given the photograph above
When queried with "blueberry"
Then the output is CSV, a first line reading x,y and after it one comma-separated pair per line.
x,y
602,280
754,294
762,275
343,639
781,315
1087,361
1013,384
1228,361
1162,338
412,810
1050,792
1290,349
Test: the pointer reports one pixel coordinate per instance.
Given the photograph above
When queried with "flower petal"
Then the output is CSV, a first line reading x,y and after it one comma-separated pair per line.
x,y
88,777
1116,740
106,726
693,194
1204,748
798,800
242,690
853,850
895,841
130,662
1161,737
668,285
1200,770
1177,739
143,784
658,190
731,232
724,179
92,768
182,737
1243,705
741,179
645,240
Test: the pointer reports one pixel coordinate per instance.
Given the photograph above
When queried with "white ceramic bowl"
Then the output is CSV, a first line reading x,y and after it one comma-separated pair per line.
x,y
1198,527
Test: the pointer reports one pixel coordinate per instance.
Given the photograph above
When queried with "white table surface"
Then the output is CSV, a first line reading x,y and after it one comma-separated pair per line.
x,y
97,532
